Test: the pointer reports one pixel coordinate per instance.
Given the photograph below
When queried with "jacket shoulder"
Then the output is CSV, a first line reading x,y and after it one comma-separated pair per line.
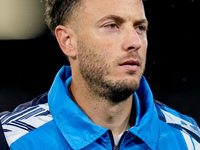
x,y
41,99
25,118
179,121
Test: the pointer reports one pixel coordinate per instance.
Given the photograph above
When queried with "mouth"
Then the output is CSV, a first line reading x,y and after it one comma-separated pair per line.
x,y
131,65
130,62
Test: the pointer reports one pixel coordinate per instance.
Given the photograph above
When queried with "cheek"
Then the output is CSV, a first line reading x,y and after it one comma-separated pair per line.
x,y
143,53
106,50
143,50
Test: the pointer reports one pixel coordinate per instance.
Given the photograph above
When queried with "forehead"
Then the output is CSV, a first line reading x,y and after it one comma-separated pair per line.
x,y
123,8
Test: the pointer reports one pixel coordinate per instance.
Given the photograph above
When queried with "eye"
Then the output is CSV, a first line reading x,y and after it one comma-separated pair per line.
x,y
111,26
141,29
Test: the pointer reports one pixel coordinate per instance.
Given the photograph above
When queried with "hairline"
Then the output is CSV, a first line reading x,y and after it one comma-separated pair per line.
x,y
69,17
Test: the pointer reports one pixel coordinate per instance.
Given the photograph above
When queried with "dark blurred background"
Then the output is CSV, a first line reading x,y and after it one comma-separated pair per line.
x,y
30,56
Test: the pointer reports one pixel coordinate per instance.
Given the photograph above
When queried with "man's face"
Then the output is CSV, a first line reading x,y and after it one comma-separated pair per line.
x,y
112,46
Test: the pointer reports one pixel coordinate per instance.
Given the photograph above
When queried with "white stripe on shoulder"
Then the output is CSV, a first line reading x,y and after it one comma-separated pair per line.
x,y
192,144
188,141
172,119
19,124
196,144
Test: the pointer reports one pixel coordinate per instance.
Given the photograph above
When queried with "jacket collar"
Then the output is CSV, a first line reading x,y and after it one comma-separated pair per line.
x,y
75,126
146,127
80,131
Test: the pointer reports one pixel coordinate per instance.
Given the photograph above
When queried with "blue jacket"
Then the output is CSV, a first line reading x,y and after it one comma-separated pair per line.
x,y
53,121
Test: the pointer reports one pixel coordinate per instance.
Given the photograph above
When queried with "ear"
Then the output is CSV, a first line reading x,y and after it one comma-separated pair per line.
x,y
65,37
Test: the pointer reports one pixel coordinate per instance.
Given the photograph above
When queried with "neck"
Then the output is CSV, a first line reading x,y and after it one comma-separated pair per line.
x,y
113,116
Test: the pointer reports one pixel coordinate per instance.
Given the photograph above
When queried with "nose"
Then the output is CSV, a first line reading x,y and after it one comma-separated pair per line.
x,y
132,41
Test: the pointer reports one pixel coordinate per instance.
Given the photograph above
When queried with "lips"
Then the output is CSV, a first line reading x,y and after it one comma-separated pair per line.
x,y
131,65
130,62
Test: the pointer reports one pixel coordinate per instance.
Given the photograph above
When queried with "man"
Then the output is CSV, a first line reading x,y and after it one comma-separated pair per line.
x,y
102,101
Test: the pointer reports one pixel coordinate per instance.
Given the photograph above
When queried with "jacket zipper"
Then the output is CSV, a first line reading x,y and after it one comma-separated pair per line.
x,y
116,147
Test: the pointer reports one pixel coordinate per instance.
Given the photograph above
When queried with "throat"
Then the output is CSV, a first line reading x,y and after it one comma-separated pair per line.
x,y
117,117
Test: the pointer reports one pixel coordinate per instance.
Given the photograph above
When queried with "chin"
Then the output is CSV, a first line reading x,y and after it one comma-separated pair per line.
x,y
121,90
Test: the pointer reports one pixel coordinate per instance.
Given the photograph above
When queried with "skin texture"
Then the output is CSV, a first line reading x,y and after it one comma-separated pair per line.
x,y
106,44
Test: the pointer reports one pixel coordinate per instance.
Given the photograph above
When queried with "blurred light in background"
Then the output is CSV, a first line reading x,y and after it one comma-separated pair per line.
x,y
21,19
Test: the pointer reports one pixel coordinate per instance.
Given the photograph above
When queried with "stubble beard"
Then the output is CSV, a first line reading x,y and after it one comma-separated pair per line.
x,y
94,71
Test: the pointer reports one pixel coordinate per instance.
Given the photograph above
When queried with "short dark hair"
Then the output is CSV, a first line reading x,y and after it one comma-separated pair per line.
x,y
58,12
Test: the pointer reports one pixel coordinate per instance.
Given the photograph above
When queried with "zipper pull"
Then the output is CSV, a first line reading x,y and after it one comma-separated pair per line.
x,y
115,148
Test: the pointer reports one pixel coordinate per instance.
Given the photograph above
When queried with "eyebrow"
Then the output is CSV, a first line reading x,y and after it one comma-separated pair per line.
x,y
142,21
121,20
112,17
